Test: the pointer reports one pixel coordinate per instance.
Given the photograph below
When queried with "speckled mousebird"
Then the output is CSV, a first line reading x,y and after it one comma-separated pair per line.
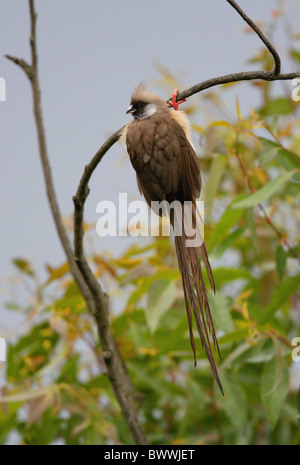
x,y
167,169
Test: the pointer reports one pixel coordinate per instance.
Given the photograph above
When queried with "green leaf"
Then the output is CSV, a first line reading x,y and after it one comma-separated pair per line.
x,y
23,265
35,347
13,306
223,275
281,105
57,273
161,296
296,250
144,378
216,173
219,305
296,55
261,353
35,435
288,160
280,261
268,155
282,292
235,403
69,371
145,282
231,239
178,340
265,192
274,387
234,336
227,221
8,420
269,151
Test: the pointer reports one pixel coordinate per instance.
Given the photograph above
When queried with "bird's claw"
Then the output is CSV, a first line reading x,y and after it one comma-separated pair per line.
x,y
173,103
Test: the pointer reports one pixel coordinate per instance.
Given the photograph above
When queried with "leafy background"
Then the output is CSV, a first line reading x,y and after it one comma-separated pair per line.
x,y
56,390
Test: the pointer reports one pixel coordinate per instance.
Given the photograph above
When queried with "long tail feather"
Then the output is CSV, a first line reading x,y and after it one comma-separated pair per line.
x,y
195,292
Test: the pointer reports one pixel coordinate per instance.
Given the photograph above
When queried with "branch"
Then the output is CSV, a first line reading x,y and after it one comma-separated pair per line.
x,y
79,201
91,290
248,75
31,70
116,369
260,34
235,77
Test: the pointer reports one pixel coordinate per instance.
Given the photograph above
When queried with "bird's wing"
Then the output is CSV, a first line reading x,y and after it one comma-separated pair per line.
x,y
166,164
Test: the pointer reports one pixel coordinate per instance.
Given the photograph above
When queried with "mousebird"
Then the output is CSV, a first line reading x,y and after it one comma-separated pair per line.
x,y
167,170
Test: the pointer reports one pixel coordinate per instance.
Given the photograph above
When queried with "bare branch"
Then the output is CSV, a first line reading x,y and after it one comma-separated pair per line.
x,y
23,65
31,70
248,75
116,369
91,289
79,201
260,34
234,77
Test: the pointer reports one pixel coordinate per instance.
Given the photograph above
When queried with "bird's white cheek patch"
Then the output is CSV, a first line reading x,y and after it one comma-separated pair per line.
x,y
150,110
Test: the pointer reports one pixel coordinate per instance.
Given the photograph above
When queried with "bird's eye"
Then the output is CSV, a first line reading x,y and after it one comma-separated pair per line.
x,y
140,105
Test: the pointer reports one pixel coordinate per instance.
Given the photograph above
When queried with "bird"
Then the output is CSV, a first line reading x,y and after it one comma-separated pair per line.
x,y
167,170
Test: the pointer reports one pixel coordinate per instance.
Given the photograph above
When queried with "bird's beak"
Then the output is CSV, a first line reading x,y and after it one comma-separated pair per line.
x,y
130,109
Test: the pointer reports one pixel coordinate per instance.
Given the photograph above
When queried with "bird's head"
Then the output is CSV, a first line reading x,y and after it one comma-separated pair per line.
x,y
144,103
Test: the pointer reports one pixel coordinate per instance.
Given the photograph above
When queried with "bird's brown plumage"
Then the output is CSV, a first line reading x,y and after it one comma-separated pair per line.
x,y
167,169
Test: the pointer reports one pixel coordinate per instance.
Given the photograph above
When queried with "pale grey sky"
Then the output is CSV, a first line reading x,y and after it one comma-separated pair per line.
x,y
92,54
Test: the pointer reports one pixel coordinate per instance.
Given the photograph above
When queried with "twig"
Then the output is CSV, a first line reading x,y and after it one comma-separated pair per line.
x,y
260,34
234,77
243,76
79,200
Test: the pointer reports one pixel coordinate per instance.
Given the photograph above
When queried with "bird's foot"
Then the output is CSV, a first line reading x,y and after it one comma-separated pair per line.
x,y
173,103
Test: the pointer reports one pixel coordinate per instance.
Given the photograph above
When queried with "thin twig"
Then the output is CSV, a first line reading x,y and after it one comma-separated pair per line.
x,y
243,76
260,34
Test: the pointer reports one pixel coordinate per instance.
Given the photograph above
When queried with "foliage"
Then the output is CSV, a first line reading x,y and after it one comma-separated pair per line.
x,y
56,388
